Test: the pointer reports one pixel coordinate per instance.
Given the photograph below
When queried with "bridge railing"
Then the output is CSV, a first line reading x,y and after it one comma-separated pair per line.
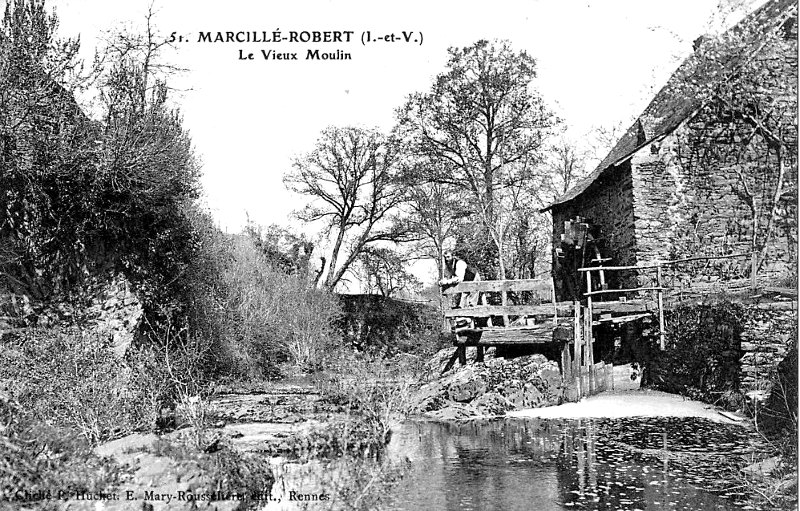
x,y
515,301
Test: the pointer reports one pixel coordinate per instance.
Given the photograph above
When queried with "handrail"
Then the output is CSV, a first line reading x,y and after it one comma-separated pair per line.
x,y
494,286
617,291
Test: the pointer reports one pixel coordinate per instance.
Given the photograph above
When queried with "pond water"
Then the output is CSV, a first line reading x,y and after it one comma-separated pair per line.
x,y
539,464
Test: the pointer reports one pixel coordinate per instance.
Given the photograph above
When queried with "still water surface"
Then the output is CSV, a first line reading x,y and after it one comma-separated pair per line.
x,y
547,464
531,464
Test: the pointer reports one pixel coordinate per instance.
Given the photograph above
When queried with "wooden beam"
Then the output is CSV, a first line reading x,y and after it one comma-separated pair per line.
x,y
499,337
538,327
482,311
497,285
629,306
617,291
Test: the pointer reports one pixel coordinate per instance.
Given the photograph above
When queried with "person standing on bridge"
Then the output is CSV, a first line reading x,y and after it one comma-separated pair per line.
x,y
459,271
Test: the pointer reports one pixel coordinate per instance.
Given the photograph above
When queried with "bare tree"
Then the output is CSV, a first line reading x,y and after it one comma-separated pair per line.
x,y
384,270
351,177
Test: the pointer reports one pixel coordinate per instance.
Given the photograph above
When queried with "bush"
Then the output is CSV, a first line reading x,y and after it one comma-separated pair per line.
x,y
378,391
376,324
37,457
68,378
256,315
703,349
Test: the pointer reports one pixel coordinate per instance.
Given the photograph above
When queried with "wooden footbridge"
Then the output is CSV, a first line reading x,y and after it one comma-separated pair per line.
x,y
528,314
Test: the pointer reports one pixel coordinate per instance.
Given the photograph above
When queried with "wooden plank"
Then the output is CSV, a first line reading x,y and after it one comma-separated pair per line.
x,y
589,337
635,306
498,285
617,291
482,311
504,303
621,319
537,327
603,268
789,291
499,336
565,362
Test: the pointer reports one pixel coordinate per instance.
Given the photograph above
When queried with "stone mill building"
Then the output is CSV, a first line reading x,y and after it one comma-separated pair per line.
x,y
709,168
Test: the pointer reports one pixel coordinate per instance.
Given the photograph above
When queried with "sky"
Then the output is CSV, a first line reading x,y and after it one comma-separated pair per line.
x,y
599,64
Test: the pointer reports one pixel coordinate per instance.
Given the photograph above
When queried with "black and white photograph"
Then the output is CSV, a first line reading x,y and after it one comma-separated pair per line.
x,y
421,255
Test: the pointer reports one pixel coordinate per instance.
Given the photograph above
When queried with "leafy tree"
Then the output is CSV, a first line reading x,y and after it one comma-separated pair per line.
x,y
47,156
484,128
82,198
351,177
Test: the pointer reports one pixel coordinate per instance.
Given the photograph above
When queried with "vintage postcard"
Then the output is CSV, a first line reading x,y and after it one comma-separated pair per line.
x,y
339,254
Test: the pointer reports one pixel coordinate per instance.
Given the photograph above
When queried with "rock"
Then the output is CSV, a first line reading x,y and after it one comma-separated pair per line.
x,y
465,385
526,397
435,365
136,442
492,403
762,468
454,411
429,397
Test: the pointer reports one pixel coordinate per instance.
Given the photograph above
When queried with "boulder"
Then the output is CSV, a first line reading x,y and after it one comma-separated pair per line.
x,y
465,385
455,411
492,403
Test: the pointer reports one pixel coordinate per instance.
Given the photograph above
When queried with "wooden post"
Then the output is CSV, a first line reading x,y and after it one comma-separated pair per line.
x,y
660,294
479,355
462,354
578,338
589,340
504,302
754,271
553,299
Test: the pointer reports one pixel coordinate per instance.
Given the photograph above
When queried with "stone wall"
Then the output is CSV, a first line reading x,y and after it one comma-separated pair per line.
x,y
766,338
110,310
693,187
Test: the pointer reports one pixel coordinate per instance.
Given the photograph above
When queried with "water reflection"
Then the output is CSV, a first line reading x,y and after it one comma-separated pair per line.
x,y
659,463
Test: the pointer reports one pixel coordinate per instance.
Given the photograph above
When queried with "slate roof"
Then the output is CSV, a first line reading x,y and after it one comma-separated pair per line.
x,y
677,100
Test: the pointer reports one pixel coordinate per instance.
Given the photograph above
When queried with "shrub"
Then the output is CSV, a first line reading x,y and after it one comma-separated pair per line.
x,y
37,457
71,379
256,315
703,351
376,324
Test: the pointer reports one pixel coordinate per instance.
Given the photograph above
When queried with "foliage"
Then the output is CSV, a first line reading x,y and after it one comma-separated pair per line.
x,y
284,250
83,387
384,270
375,390
481,128
377,324
39,458
778,417
229,470
702,353
115,192
256,315
351,176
